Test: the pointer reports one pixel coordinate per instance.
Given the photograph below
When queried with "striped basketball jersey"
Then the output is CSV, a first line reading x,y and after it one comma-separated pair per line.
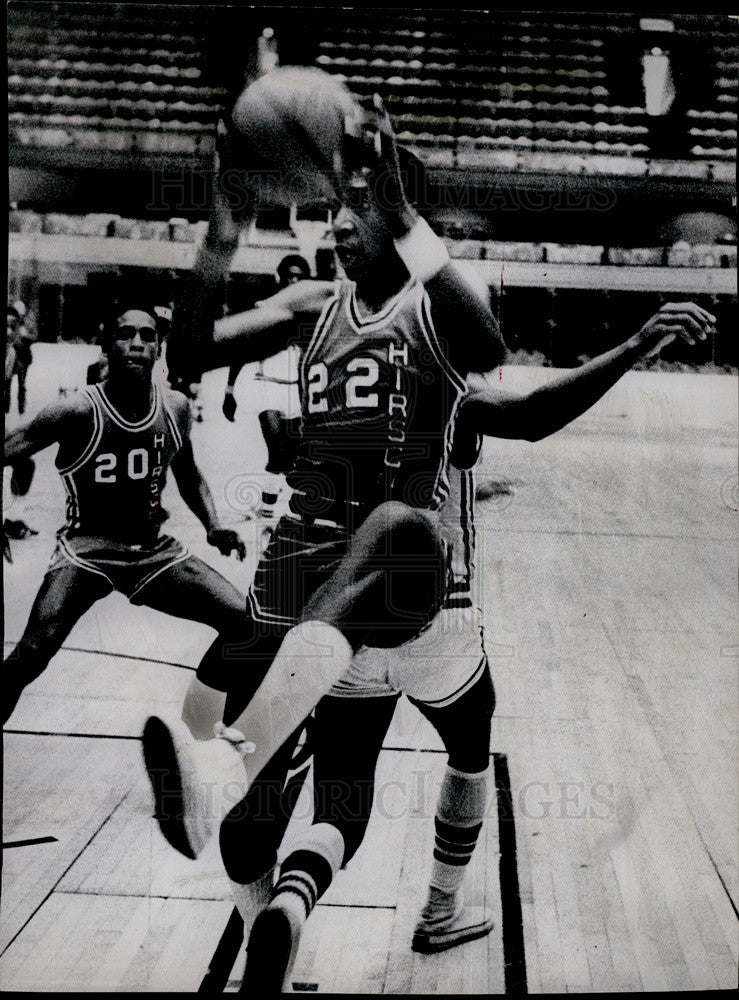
x,y
378,400
114,487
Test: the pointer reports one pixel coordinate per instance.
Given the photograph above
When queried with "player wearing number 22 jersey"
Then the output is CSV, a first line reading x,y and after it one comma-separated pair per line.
x,y
379,398
378,402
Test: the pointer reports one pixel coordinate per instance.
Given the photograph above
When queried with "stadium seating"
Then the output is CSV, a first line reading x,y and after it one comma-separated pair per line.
x,y
106,80
548,89
539,86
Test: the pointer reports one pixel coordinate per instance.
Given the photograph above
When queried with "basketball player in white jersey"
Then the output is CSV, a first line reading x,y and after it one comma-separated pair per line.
x,y
116,442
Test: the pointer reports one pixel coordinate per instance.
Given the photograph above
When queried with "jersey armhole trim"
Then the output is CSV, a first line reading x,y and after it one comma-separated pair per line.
x,y
427,327
94,440
172,422
442,487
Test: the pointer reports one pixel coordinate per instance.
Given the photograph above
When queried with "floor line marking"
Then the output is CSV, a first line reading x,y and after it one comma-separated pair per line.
x,y
29,843
117,656
224,957
71,864
139,895
514,951
602,534
355,906
715,868
83,736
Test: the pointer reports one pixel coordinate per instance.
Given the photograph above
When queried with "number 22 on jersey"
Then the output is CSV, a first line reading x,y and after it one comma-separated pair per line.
x,y
363,374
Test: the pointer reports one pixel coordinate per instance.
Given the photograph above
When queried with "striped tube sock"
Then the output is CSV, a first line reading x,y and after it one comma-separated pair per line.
x,y
459,814
307,872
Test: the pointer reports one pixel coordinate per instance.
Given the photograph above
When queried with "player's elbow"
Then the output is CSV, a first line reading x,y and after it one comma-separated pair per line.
x,y
533,424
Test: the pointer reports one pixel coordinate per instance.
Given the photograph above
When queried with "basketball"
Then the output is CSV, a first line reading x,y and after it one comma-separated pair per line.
x,y
289,126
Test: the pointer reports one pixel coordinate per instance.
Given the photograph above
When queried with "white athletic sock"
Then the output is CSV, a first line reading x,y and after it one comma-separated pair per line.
x,y
312,657
250,899
459,814
307,872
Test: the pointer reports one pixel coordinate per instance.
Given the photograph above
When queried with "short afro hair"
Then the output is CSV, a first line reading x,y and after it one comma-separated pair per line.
x,y
290,261
124,305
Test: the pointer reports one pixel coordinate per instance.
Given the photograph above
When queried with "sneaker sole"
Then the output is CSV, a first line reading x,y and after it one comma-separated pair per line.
x,y
428,944
162,766
268,953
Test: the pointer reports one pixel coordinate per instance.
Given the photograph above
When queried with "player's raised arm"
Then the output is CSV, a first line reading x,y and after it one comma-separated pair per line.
x,y
201,339
464,325
271,326
200,300
491,411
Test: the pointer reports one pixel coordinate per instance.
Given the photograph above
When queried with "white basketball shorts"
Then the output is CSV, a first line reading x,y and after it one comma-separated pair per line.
x,y
436,668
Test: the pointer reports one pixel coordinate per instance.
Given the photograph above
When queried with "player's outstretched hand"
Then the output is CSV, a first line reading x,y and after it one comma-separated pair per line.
x,y
18,530
227,542
229,406
674,319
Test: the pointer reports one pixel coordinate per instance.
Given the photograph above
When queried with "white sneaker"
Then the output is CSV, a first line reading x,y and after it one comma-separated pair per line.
x,y
195,783
437,935
271,952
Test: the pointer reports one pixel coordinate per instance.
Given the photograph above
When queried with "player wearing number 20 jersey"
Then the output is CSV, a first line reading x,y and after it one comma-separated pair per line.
x,y
114,487
116,442
115,484
378,403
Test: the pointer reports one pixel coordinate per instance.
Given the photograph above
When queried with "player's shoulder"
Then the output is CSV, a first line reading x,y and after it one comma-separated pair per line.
x,y
175,399
176,402
328,290
77,404
178,405
72,414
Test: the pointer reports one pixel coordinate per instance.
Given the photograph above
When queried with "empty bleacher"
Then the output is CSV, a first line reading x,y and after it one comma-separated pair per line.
x,y
463,91
106,78
466,89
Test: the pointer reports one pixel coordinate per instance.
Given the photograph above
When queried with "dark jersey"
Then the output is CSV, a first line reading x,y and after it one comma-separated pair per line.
x,y
378,400
114,487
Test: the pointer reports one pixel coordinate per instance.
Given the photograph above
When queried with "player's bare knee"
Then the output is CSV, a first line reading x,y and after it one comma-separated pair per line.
x,y
398,521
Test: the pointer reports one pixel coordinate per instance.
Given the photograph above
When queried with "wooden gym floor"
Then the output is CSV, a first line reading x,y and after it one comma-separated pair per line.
x,y
607,579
